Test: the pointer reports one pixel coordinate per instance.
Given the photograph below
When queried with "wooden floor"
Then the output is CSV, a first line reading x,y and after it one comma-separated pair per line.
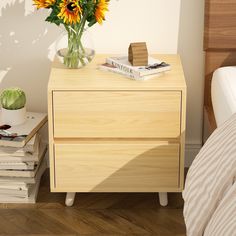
x,y
93,214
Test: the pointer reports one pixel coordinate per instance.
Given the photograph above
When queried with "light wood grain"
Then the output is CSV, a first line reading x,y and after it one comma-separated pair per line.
x,y
117,167
51,138
90,78
98,115
182,137
117,114
93,214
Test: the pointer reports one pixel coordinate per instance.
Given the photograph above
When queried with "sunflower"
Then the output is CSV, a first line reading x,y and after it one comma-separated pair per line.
x,y
43,3
70,11
101,9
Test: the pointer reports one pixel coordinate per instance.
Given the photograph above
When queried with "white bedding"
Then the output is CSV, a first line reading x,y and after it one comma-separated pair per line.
x,y
224,93
223,221
210,188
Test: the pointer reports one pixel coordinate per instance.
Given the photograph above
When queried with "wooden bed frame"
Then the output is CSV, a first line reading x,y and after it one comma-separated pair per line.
x,y
220,48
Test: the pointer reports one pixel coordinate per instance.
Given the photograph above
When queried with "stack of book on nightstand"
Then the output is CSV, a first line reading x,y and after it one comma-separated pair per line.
x,y
121,65
22,160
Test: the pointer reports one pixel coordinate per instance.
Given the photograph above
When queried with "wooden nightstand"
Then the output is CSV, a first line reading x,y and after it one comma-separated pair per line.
x,y
111,134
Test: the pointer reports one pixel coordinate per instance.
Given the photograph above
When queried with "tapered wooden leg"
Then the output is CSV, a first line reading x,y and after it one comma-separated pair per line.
x,y
163,199
70,197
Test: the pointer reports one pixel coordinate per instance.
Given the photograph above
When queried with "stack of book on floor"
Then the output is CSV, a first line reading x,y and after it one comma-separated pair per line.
x,y
121,65
22,160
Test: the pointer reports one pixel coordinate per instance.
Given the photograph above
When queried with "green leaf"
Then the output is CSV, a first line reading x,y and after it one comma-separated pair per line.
x,y
53,18
92,22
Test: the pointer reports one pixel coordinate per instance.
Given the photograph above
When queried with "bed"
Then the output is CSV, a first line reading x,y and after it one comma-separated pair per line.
x,y
220,48
210,188
223,93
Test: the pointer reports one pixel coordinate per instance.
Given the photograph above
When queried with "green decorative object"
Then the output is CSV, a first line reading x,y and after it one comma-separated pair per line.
x,y
13,99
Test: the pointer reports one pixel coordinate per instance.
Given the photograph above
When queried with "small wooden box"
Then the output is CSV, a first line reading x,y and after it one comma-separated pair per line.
x,y
138,54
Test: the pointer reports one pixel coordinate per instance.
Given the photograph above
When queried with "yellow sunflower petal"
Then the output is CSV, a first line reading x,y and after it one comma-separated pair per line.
x,y
101,9
43,3
70,11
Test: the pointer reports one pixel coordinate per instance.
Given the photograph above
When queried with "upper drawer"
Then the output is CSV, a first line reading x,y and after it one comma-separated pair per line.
x,y
139,114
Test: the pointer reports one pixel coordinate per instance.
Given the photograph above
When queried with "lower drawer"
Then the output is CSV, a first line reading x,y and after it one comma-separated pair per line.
x,y
116,166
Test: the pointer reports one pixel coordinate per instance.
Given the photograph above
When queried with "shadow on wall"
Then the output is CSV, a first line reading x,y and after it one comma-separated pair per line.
x,y
25,42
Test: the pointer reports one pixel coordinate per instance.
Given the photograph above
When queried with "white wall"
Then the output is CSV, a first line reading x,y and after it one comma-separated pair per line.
x,y
24,46
190,47
26,42
136,20
25,39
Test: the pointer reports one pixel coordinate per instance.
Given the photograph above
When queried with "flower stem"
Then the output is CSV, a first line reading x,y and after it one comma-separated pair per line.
x,y
76,53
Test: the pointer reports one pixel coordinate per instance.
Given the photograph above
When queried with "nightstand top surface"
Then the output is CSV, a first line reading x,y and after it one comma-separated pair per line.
x,y
91,78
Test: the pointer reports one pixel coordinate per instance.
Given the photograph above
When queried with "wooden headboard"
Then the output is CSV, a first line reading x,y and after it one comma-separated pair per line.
x,y
220,46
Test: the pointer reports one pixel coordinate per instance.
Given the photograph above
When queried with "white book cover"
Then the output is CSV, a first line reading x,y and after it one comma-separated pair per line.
x,y
17,165
27,180
154,66
22,133
111,68
14,192
32,198
31,148
12,185
15,189
25,173
27,157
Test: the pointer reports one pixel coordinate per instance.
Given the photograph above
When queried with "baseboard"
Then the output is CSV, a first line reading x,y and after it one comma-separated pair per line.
x,y
191,151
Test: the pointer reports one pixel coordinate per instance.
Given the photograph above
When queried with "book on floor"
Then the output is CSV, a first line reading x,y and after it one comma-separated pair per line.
x,y
27,158
26,173
24,132
15,189
30,149
33,193
23,157
17,165
154,66
28,180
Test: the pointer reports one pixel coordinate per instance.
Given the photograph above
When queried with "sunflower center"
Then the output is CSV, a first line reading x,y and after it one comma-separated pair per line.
x,y
70,6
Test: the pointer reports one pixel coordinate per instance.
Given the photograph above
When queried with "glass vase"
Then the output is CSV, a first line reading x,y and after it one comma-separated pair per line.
x,y
75,49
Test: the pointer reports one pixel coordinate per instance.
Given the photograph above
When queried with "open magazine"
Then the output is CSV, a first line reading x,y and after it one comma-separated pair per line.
x,y
19,135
